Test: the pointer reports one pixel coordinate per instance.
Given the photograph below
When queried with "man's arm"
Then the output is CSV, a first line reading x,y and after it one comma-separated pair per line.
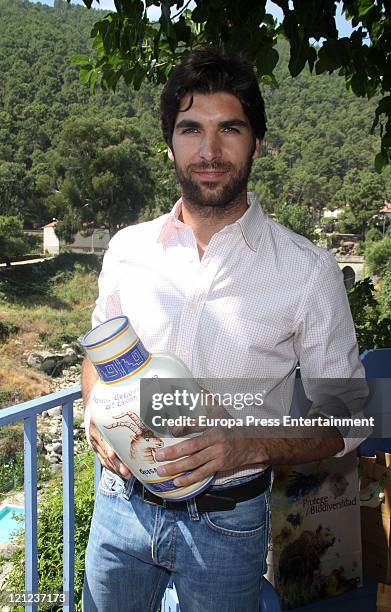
x,y
89,376
327,349
107,456
216,451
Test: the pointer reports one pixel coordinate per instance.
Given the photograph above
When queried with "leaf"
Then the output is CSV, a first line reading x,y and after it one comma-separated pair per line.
x,y
381,161
93,79
267,60
364,6
269,79
85,73
79,59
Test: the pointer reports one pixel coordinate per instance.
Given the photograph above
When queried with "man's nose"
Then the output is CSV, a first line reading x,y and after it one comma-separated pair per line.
x,y
210,149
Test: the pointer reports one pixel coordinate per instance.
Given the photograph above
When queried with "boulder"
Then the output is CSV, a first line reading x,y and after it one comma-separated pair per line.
x,y
53,363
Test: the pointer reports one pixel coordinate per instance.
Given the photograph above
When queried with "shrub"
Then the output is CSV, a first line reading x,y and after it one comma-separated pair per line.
x,y
12,461
386,292
378,255
372,328
50,540
6,329
373,235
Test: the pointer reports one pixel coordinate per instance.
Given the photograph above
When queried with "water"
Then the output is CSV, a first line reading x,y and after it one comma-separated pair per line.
x,y
8,524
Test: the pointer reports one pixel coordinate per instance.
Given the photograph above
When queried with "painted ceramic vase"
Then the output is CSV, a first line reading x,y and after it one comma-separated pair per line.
x,y
121,361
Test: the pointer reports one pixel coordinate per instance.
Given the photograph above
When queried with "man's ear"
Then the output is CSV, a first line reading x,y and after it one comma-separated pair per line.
x,y
170,154
257,149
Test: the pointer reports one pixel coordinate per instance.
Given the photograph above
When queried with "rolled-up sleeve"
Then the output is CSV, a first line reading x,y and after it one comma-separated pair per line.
x,y
328,353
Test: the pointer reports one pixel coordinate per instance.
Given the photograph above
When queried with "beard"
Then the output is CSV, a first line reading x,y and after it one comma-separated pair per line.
x,y
210,198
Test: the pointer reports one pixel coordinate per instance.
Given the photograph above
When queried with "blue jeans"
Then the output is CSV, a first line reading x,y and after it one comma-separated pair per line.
x,y
216,559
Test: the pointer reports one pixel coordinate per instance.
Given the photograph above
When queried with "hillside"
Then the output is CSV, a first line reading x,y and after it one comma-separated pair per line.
x,y
42,306
318,151
95,159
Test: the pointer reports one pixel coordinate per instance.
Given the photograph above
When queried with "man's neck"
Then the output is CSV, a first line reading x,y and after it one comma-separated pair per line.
x,y
208,221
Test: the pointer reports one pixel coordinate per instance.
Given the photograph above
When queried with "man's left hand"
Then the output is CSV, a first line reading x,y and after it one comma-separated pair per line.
x,y
213,451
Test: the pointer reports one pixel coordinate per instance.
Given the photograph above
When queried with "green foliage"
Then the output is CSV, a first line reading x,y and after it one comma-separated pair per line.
x,y
378,255
364,192
70,155
298,218
103,174
6,329
386,291
373,329
50,540
40,284
58,294
373,235
126,45
12,239
12,461
347,223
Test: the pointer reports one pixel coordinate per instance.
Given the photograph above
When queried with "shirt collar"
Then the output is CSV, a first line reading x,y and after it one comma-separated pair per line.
x,y
251,223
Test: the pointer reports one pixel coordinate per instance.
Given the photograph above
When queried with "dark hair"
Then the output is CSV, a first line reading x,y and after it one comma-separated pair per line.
x,y
208,70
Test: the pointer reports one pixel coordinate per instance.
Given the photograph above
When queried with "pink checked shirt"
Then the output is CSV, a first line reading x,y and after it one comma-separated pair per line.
x,y
261,299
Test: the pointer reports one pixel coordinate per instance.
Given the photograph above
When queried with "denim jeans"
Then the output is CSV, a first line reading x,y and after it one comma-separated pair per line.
x,y
216,559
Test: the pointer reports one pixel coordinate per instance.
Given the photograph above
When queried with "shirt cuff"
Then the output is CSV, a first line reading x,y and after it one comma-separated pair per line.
x,y
351,444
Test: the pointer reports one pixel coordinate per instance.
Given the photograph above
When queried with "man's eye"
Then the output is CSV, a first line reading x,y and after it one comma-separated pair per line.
x,y
190,131
230,129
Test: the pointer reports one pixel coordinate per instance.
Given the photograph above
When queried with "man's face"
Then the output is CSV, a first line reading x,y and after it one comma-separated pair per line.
x,y
213,149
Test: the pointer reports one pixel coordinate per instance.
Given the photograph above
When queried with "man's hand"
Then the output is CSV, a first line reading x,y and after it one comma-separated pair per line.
x,y
213,451
107,456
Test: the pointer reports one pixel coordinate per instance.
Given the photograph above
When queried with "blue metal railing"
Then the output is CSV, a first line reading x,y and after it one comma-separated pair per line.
x,y
28,411
377,362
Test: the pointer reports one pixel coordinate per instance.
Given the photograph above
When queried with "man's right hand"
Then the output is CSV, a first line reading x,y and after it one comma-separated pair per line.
x,y
108,458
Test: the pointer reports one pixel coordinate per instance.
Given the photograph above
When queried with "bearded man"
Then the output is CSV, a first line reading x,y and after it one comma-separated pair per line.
x,y
233,294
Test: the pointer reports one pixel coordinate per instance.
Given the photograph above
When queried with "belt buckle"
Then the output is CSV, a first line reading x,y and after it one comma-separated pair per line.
x,y
162,502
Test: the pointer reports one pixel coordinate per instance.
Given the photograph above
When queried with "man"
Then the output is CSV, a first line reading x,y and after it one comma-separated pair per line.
x,y
233,294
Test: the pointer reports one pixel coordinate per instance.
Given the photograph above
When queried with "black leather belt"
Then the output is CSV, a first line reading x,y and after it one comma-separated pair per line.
x,y
213,500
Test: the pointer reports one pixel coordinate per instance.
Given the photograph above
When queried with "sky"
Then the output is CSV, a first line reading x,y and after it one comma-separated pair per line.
x,y
344,27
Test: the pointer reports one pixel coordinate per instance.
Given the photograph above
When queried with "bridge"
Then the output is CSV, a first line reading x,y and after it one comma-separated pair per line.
x,y
352,267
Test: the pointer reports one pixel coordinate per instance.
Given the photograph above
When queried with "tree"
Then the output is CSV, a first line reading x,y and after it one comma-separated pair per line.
x,y
386,290
298,218
12,241
127,45
378,255
363,191
104,176
15,188
373,330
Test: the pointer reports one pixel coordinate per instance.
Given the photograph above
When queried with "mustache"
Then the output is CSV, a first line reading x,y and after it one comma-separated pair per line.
x,y
204,166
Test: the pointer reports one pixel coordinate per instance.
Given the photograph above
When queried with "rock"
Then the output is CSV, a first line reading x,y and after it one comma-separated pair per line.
x,y
54,363
40,445
55,411
57,447
7,550
70,358
33,360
